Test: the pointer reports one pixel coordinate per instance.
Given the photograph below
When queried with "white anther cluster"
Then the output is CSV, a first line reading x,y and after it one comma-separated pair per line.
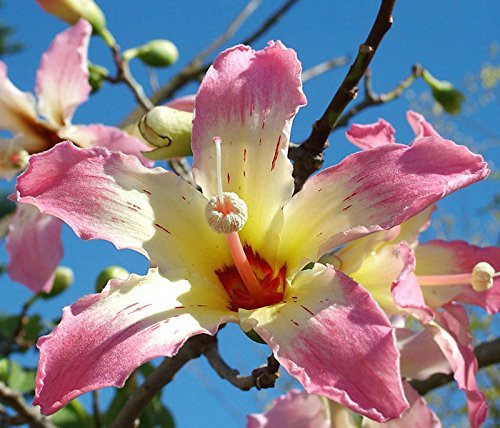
x,y
482,276
229,222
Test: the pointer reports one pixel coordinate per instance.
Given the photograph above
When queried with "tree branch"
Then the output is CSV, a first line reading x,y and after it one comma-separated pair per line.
x,y
487,353
30,414
308,157
195,70
162,375
323,67
261,377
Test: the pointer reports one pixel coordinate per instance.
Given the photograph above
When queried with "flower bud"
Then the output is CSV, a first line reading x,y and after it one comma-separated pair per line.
x,y
444,93
97,74
111,272
156,53
71,11
168,130
62,280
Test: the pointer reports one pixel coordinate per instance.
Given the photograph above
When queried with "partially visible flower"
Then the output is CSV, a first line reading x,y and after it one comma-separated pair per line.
x,y
406,276
238,255
61,85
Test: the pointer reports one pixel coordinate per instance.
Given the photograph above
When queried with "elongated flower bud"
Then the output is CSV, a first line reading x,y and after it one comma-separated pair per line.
x,y
444,93
108,274
155,53
169,131
62,280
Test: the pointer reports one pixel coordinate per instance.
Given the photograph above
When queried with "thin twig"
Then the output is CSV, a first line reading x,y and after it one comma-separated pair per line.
x,y
233,27
96,410
195,70
261,377
372,99
124,75
161,376
182,168
22,320
31,415
323,67
487,353
308,157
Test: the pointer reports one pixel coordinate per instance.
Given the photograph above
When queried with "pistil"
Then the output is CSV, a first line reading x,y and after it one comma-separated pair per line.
x,y
227,213
481,278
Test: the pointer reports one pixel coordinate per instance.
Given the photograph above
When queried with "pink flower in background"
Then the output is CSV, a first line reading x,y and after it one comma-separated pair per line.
x,y
236,251
62,84
425,280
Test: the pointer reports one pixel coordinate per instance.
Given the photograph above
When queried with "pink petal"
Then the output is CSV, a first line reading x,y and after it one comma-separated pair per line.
x,y
249,98
456,257
335,340
294,410
453,337
103,337
109,195
107,136
406,289
62,78
373,190
419,415
370,136
420,355
18,115
35,249
185,103
420,126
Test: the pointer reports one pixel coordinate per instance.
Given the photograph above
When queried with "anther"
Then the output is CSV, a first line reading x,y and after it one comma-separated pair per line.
x,y
227,215
482,276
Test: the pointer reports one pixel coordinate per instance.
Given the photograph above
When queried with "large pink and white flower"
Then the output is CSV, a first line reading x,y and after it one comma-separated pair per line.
x,y
34,242
235,251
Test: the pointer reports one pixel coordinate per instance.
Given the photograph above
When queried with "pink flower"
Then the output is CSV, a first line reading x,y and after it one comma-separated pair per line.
x,y
406,276
323,327
62,84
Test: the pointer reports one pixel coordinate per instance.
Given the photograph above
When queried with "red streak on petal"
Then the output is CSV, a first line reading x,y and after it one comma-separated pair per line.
x,y
228,178
345,208
244,155
146,191
276,153
163,228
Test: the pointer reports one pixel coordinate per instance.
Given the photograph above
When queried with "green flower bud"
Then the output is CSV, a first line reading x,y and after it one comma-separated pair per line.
x,y
62,280
97,74
444,93
111,272
156,53
253,335
169,130
71,11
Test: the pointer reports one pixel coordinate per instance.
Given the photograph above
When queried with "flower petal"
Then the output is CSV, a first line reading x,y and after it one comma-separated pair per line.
x,y
332,336
420,355
111,196
249,99
455,257
373,190
18,115
35,249
370,136
406,290
451,333
103,337
62,78
420,126
296,409
106,136
419,415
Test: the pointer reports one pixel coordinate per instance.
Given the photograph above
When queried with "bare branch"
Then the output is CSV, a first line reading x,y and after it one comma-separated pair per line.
x,y
194,70
182,168
269,22
31,415
323,67
372,99
308,157
487,353
261,377
233,27
162,375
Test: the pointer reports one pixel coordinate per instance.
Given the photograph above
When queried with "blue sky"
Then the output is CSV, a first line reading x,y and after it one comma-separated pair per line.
x,y
450,38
